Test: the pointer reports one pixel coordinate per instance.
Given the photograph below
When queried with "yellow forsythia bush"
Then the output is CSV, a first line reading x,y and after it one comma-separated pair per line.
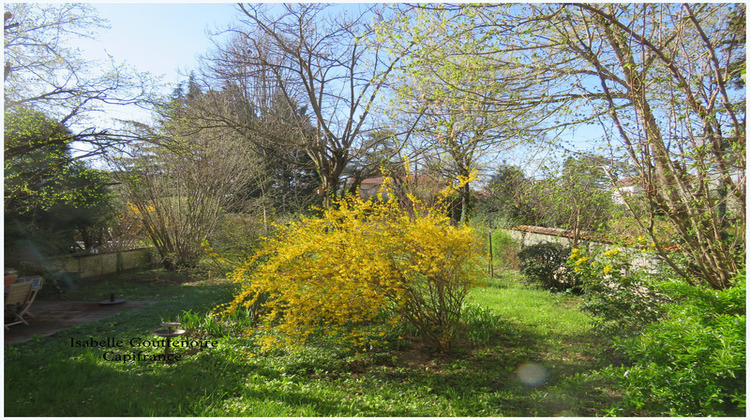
x,y
358,270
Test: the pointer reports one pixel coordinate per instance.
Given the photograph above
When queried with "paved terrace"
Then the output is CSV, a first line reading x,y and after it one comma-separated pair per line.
x,y
50,317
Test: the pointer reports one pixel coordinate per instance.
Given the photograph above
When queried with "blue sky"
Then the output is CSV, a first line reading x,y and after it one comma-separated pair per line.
x,y
164,39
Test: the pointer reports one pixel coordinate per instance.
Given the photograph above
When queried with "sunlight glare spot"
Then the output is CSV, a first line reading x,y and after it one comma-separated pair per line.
x,y
532,374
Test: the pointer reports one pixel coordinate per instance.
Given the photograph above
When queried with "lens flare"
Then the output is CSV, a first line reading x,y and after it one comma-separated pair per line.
x,y
532,374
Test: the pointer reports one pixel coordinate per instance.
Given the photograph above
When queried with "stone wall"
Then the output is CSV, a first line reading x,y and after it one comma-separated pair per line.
x,y
110,262
526,238
532,235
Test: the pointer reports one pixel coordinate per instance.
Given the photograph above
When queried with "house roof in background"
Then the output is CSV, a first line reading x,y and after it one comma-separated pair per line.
x,y
627,182
373,181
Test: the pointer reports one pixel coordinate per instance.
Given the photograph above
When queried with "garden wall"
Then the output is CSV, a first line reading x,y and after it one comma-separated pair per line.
x,y
531,235
110,262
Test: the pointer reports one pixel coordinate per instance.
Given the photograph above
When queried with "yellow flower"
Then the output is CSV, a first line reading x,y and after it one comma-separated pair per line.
x,y
612,252
339,269
607,269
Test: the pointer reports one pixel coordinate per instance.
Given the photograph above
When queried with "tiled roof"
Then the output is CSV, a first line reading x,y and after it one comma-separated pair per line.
x,y
373,181
627,182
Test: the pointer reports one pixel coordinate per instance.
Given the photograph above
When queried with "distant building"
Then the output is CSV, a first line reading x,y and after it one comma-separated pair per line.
x,y
422,186
369,187
626,187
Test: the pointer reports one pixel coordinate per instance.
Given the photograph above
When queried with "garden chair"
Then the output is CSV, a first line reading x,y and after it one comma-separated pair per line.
x,y
17,302
37,285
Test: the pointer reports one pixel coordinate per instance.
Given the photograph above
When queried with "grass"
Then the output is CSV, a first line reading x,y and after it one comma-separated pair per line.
x,y
523,356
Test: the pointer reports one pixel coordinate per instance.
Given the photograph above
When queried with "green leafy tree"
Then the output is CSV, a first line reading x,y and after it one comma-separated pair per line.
x,y
579,198
50,95
50,198
435,92
658,78
508,199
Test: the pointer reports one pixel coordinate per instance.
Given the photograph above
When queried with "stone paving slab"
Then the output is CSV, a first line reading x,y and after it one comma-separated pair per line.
x,y
50,317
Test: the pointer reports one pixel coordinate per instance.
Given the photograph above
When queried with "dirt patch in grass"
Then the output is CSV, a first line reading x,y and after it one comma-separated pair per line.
x,y
418,355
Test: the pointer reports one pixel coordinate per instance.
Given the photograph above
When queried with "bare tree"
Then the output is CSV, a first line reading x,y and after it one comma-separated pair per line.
x,y
42,72
284,177
680,123
321,69
182,184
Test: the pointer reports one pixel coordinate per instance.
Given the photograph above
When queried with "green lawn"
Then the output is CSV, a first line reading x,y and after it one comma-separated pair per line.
x,y
524,365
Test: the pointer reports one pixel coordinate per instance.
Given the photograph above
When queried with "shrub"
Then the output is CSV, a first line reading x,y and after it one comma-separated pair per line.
x,y
238,234
544,264
621,297
358,270
693,362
